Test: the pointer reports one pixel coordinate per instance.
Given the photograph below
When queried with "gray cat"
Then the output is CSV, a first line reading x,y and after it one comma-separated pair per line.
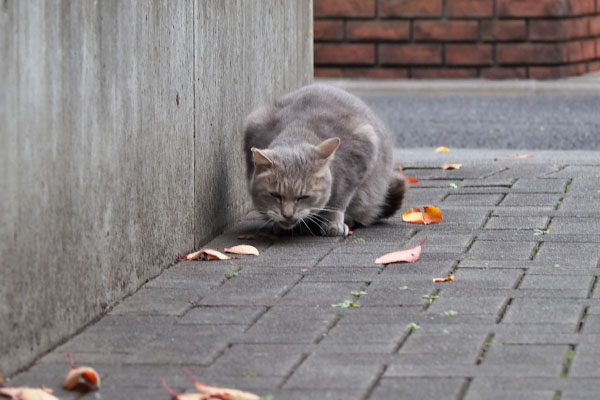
x,y
320,157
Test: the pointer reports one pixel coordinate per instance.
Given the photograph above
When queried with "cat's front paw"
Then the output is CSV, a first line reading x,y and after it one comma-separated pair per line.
x,y
335,230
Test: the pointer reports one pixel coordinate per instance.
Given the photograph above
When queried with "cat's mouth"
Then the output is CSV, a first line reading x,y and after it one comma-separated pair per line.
x,y
288,223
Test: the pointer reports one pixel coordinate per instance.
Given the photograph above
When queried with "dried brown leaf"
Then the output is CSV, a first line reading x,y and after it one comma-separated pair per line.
x,y
243,249
207,254
402,256
221,392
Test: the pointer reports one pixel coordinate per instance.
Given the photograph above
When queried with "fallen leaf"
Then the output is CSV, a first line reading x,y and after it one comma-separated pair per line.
x,y
246,237
243,249
411,179
400,168
221,392
207,254
267,236
402,256
442,149
183,396
303,270
27,393
446,279
350,233
430,215
523,155
78,375
451,166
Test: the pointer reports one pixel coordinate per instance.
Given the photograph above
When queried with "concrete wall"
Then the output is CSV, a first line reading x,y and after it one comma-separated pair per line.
x,y
121,144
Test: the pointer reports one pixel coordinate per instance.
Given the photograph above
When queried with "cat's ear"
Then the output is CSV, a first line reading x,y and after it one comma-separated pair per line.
x,y
328,147
261,160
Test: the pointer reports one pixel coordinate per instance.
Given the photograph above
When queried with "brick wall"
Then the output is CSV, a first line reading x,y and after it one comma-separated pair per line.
x,y
496,39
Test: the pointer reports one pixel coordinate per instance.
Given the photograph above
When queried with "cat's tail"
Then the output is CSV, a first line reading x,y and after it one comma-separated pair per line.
x,y
395,194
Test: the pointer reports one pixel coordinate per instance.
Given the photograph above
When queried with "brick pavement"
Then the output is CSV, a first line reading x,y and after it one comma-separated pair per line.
x,y
521,320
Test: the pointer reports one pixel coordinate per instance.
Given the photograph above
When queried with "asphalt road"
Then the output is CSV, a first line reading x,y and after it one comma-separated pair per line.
x,y
494,121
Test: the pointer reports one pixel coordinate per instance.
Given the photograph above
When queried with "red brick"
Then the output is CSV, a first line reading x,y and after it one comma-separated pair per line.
x,y
594,66
445,30
328,73
328,29
595,25
503,30
504,73
581,50
469,54
383,73
410,8
580,7
558,29
470,8
332,53
344,8
598,48
443,73
553,72
530,8
379,30
410,54
530,53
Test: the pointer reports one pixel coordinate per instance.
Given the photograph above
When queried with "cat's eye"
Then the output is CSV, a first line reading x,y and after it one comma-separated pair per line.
x,y
276,195
302,198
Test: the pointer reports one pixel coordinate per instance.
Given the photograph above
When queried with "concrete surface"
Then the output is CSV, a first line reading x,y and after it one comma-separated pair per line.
x,y
120,124
521,236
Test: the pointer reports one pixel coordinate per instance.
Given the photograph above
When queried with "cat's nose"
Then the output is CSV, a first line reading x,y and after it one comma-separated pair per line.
x,y
289,220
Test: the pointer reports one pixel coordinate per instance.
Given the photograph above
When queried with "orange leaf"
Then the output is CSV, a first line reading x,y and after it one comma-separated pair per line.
x,y
27,393
442,149
244,249
413,216
246,237
207,254
77,375
221,392
451,166
400,168
446,279
431,215
411,179
402,256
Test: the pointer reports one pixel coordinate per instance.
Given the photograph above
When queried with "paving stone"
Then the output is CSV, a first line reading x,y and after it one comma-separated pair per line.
x,y
467,305
290,325
473,199
464,346
222,315
321,293
159,302
417,389
389,333
251,289
542,311
491,250
473,394
540,185
257,360
584,254
337,371
197,344
555,282
534,199
578,171
575,226
513,223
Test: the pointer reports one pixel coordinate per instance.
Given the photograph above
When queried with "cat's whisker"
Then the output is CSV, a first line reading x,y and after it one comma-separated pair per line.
x,y
320,217
307,227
